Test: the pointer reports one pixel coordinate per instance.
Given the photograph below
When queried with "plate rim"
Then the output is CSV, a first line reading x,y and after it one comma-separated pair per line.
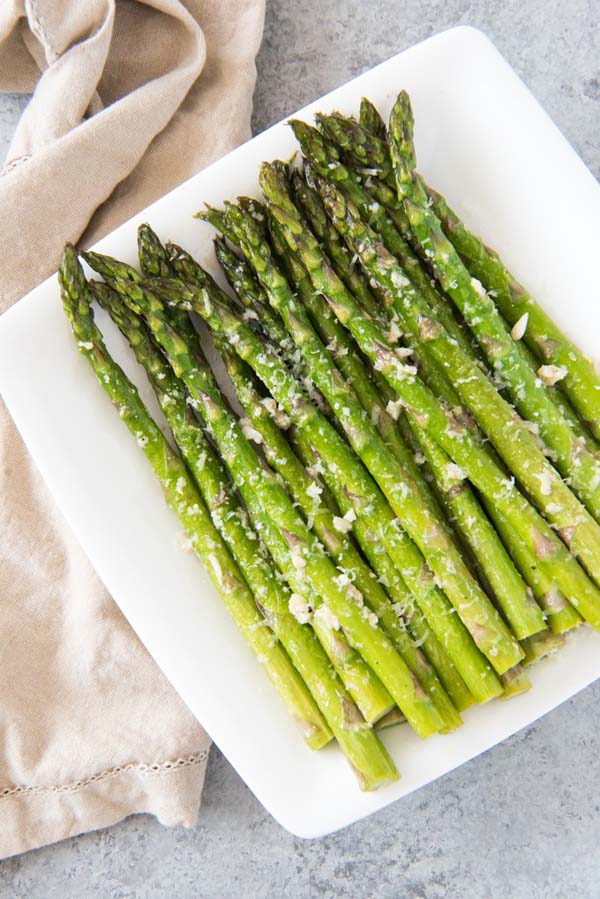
x,y
469,33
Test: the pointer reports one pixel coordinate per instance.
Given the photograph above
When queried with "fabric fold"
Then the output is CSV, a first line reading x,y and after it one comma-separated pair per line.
x,y
130,99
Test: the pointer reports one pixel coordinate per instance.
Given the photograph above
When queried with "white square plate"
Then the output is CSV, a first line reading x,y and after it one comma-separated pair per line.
x,y
484,141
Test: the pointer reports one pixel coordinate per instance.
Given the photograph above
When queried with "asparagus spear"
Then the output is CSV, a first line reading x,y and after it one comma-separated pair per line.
x,y
183,497
516,443
368,148
281,457
366,690
343,347
473,606
347,357
241,279
477,525
552,347
259,486
154,261
514,597
515,682
229,517
326,162
367,499
371,390
310,203
405,603
562,616
571,456
252,296
541,645
516,601
248,290
370,119
331,529
450,557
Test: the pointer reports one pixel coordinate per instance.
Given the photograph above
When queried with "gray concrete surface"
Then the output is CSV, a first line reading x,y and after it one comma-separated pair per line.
x,y
520,822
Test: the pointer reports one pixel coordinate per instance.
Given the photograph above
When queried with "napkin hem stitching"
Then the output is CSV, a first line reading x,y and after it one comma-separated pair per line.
x,y
138,767
12,164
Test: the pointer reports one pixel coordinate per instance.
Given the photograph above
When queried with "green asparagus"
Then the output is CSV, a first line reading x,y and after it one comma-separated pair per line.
x,y
521,609
181,494
258,486
452,435
365,496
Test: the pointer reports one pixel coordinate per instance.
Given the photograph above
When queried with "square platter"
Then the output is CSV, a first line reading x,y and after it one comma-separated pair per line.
x,y
484,141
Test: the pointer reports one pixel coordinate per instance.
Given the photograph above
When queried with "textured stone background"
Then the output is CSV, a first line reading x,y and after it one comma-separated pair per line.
x,y
520,822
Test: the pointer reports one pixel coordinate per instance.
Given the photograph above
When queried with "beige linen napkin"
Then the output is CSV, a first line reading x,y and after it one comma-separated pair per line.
x,y
133,97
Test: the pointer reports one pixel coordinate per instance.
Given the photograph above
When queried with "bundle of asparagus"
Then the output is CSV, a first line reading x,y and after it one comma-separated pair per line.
x,y
406,515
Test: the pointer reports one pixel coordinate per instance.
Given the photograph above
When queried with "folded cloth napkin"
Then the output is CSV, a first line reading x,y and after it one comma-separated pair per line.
x,y
130,99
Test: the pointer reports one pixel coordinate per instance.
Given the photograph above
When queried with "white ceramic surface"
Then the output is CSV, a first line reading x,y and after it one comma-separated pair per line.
x,y
484,141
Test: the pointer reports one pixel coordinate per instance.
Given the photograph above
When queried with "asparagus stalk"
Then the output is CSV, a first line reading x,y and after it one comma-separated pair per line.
x,y
309,202
326,162
571,456
451,679
561,618
515,682
253,298
345,353
581,383
331,529
513,596
366,498
182,496
449,565
368,147
389,576
241,279
366,690
344,349
154,261
561,615
541,645
371,120
516,442
516,601
257,485
283,460
339,343
371,390
230,518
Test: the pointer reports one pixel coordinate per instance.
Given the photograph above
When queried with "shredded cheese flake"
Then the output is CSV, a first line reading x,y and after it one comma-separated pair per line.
x,y
299,608
519,327
552,374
